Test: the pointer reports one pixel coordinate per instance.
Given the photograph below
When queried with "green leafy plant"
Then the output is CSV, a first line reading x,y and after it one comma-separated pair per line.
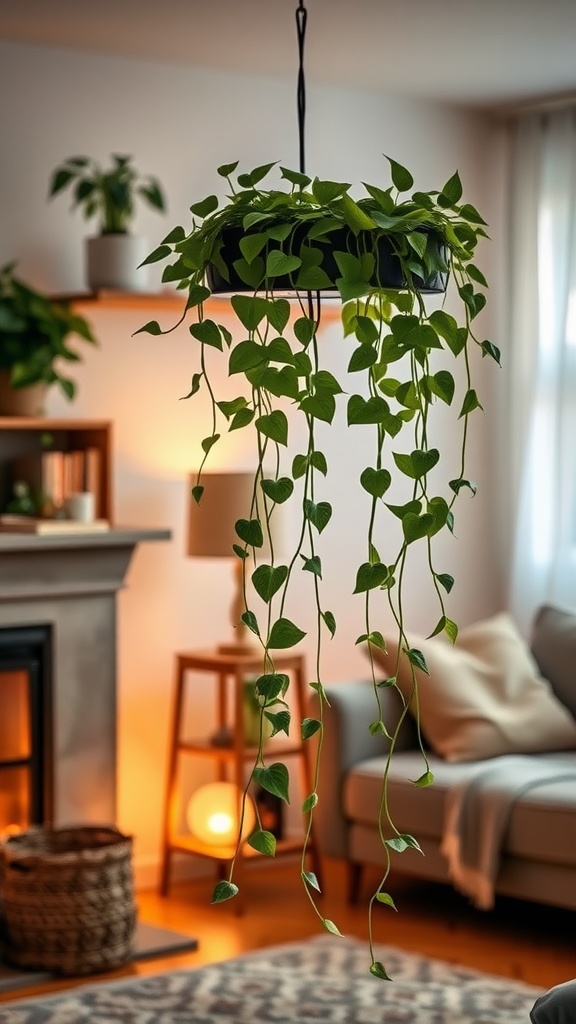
x,y
34,333
381,255
110,195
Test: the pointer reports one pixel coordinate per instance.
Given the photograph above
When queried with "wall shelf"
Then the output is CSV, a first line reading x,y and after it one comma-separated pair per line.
x,y
168,300
110,299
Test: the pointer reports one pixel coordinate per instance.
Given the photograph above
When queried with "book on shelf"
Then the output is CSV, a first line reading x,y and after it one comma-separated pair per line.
x,y
54,475
30,524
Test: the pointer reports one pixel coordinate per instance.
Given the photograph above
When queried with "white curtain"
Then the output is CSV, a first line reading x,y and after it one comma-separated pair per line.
x,y
541,356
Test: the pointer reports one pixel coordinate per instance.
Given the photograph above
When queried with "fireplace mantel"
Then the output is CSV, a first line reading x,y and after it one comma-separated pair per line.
x,y
70,584
34,565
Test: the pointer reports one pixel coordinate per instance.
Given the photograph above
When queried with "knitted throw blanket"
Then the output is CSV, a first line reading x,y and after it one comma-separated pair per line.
x,y
478,811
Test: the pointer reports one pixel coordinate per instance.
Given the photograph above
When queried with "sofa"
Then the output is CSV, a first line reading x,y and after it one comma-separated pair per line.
x,y
535,856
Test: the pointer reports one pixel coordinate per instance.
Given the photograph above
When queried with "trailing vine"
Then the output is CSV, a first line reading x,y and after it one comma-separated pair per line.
x,y
381,255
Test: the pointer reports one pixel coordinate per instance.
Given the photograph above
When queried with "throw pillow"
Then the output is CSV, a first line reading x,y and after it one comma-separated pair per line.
x,y
553,644
484,696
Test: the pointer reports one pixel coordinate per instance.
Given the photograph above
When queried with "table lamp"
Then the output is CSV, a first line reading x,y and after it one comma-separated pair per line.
x,y
227,497
213,814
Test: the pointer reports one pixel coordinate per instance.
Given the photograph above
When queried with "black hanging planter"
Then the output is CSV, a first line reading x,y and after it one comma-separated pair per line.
x,y
388,272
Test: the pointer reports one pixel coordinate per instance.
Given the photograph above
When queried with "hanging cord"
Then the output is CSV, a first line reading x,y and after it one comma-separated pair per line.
x,y
301,17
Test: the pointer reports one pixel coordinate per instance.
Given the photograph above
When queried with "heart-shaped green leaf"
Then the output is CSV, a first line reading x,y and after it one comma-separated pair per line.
x,y
375,481
224,891
403,842
279,263
250,310
416,658
242,418
250,531
309,803
208,333
284,634
418,463
362,410
208,442
206,207
309,727
416,527
279,351
279,720
379,971
320,406
362,357
425,780
318,514
327,191
384,897
330,622
264,842
278,313
278,490
445,580
401,177
268,579
313,565
318,460
274,425
252,245
274,779
330,926
250,620
304,330
246,355
310,878
457,485
370,576
195,385
470,402
374,639
271,685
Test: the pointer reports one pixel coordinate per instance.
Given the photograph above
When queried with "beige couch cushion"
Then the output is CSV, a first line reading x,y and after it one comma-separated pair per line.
x,y
484,696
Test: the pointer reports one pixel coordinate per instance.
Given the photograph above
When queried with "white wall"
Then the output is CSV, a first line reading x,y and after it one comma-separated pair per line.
x,y
180,124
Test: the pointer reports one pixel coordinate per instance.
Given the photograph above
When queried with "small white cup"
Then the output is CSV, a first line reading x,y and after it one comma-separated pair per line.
x,y
81,507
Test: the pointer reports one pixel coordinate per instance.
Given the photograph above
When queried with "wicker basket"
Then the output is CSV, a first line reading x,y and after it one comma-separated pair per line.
x,y
68,897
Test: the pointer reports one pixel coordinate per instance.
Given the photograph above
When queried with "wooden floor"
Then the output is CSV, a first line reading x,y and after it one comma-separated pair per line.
x,y
518,940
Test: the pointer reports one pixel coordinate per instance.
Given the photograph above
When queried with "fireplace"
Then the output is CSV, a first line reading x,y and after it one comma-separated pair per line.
x,y
58,621
25,727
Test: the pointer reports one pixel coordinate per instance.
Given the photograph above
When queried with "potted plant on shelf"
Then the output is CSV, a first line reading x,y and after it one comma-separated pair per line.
x,y
34,344
110,195
381,256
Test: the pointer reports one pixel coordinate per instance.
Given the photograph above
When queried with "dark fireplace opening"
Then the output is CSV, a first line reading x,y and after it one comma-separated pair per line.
x,y
26,782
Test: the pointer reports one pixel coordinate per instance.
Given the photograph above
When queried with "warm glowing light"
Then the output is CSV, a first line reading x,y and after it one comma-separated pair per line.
x,y
10,830
214,811
221,823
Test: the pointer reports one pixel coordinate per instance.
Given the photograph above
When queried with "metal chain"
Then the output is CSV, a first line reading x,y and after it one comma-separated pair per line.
x,y
301,18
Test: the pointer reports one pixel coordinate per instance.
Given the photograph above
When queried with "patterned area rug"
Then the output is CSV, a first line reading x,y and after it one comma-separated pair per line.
x,y
325,980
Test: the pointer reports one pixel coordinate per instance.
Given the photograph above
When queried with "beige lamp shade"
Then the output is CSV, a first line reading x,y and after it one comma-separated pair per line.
x,y
227,497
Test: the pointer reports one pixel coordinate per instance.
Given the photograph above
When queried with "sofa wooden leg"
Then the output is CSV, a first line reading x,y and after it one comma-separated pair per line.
x,y
354,881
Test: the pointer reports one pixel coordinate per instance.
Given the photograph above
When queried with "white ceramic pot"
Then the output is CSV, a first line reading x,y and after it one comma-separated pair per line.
x,y
112,261
21,401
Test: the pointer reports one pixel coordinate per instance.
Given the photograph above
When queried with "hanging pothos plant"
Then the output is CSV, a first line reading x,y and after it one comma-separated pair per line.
x,y
381,255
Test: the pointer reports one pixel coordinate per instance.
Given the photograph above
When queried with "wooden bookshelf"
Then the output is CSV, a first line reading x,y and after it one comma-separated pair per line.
x,y
31,447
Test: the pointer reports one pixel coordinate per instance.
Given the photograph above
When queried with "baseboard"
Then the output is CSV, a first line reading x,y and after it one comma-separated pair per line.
x,y
183,869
